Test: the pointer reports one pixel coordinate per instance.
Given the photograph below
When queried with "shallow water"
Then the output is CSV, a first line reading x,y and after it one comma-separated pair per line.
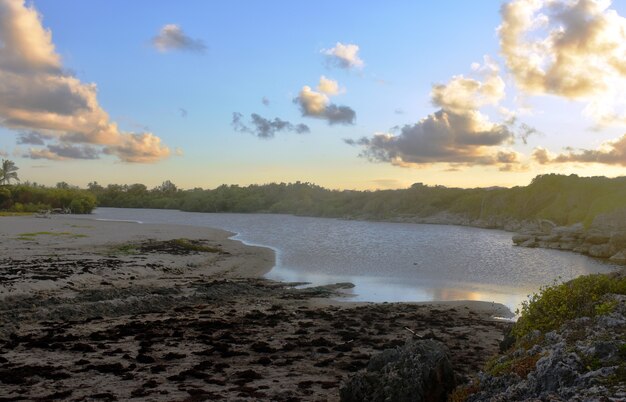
x,y
390,261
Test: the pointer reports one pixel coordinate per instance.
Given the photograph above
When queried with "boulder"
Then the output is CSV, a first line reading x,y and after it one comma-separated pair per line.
x,y
618,240
529,243
418,371
582,248
575,230
596,238
600,251
521,238
549,238
619,257
546,226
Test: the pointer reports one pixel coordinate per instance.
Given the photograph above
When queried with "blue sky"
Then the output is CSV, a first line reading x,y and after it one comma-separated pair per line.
x,y
186,96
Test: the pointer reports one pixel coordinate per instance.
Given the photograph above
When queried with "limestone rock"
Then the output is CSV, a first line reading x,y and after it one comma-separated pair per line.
x,y
600,250
417,371
619,257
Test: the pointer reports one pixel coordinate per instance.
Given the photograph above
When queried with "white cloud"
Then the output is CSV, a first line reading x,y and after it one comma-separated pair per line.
x,y
457,134
318,105
37,95
570,48
610,153
172,37
344,56
328,86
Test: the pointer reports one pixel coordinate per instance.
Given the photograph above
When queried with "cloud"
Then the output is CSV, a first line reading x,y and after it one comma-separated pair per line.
x,y
328,86
573,49
457,134
265,128
317,104
33,138
610,153
172,37
63,152
138,148
36,94
344,56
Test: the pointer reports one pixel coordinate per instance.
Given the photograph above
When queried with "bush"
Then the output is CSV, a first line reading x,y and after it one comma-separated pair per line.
x,y
580,297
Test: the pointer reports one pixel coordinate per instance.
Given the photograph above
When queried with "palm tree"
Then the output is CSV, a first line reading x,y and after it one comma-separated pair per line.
x,y
8,171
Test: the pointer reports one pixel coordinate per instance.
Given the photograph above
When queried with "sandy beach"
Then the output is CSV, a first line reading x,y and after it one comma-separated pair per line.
x,y
96,310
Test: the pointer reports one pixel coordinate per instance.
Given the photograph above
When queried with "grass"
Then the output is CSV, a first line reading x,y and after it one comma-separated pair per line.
x,y
33,235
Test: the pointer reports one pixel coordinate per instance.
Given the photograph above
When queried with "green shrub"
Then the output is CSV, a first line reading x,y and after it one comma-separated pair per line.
x,y
580,297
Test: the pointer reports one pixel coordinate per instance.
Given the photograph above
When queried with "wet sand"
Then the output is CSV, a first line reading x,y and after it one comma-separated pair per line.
x,y
117,311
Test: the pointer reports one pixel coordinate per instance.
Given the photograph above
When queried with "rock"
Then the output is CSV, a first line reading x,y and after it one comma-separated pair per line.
x,y
549,238
596,238
546,226
521,238
417,371
529,243
582,248
619,257
567,245
600,250
575,230
618,240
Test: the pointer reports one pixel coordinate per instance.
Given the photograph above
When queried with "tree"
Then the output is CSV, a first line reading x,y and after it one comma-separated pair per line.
x,y
8,171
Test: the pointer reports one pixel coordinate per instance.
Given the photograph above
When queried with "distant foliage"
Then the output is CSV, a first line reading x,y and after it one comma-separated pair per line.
x,y
581,297
562,199
31,198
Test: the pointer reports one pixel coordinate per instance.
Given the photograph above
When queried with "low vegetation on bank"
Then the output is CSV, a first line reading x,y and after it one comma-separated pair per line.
x,y
568,344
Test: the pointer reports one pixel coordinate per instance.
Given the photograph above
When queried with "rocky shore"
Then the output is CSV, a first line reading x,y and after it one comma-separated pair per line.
x,y
605,238
118,311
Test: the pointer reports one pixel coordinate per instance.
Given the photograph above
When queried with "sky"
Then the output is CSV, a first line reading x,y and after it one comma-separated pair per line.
x,y
347,95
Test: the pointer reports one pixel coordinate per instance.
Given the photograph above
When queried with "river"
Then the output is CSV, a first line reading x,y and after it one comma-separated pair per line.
x,y
390,262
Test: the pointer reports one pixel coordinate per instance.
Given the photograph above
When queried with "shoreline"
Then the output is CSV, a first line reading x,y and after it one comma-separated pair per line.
x,y
114,310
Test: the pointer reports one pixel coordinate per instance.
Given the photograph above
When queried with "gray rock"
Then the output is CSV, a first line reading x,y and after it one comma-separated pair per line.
x,y
600,250
597,238
521,238
546,226
529,243
418,371
619,257
618,240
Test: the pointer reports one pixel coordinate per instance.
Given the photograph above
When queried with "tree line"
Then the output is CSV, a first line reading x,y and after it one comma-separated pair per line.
x,y
562,199
559,198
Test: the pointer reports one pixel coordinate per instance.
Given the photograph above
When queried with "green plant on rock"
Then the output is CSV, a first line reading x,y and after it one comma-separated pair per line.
x,y
584,296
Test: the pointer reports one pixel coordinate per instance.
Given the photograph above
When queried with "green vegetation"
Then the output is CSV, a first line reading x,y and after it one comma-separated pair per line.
x,y
584,296
189,245
562,199
27,198
8,172
174,246
8,213
32,235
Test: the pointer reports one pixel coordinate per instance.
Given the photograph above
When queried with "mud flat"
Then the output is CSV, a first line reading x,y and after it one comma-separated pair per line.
x,y
117,310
